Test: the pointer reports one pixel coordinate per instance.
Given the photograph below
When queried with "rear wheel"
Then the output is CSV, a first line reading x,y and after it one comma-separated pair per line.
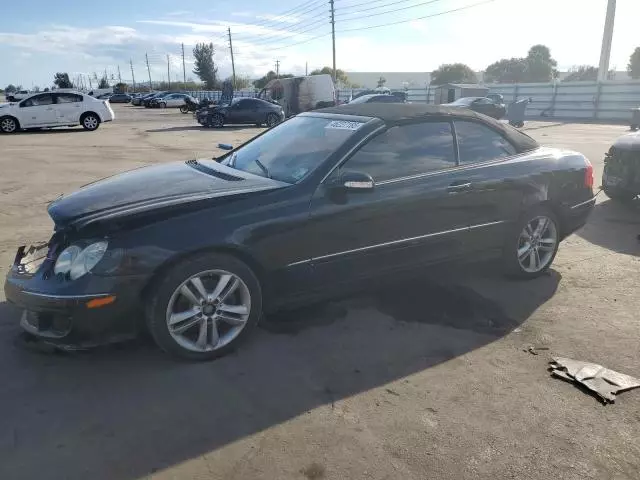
x,y
9,125
531,245
205,306
90,121
272,120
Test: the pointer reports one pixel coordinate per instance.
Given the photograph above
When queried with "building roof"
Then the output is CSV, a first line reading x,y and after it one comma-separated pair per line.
x,y
397,113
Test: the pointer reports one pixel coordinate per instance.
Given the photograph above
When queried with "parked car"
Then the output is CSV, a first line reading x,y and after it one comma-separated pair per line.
x,y
147,101
377,98
300,94
312,207
621,176
251,111
481,105
53,109
138,100
172,100
17,96
120,98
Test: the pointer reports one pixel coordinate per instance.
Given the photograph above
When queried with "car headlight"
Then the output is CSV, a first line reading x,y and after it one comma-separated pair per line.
x,y
77,261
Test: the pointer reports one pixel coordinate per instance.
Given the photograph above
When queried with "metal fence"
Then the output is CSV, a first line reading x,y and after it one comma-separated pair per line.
x,y
216,94
605,101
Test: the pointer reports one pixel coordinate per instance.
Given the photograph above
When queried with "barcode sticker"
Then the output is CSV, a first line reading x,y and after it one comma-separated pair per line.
x,y
344,125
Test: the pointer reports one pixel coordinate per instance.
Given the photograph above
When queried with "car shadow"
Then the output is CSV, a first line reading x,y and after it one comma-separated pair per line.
x,y
122,413
615,226
186,128
52,130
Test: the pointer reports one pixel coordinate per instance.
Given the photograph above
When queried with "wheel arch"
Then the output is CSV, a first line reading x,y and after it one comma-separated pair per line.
x,y
89,112
233,251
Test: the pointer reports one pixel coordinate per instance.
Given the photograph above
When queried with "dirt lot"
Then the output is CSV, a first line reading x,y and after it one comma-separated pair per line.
x,y
420,380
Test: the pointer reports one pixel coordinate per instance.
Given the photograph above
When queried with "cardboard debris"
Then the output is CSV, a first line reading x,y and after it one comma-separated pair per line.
x,y
603,382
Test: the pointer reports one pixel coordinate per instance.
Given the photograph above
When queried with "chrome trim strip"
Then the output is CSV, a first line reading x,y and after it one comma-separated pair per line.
x,y
65,297
395,242
584,203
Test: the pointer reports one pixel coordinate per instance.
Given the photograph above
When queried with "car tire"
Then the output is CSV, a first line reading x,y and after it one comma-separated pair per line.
x,y
215,120
531,243
634,127
621,196
162,105
90,121
184,109
9,125
204,307
272,120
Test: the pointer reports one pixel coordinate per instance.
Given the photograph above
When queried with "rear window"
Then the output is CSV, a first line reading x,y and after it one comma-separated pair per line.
x,y
293,149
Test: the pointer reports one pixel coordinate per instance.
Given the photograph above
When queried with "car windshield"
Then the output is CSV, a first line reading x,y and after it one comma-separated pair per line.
x,y
292,150
464,101
362,99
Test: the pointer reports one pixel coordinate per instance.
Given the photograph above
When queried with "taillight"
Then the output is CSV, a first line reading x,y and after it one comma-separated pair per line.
x,y
588,175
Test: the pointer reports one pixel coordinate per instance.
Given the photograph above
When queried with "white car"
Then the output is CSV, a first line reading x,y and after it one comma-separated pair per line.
x,y
55,109
18,95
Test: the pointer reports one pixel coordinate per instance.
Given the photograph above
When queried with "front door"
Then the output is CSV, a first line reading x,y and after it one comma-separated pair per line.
x,y
413,216
68,108
237,112
37,110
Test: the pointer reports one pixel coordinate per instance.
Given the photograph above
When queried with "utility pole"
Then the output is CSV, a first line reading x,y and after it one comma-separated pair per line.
x,y
306,68
333,37
133,75
184,69
168,74
119,76
277,68
233,65
90,84
148,71
605,52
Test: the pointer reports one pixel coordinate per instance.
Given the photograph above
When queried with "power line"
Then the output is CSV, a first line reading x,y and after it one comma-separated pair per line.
x,y
278,18
293,29
276,38
388,11
466,7
346,7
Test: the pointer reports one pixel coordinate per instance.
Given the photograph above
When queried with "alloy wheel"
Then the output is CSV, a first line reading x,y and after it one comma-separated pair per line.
x,y
217,120
272,120
208,310
90,122
537,243
8,125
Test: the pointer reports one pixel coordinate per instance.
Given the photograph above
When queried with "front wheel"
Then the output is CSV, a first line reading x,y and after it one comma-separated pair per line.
x,y
90,122
184,109
272,120
216,120
532,244
162,105
8,125
204,307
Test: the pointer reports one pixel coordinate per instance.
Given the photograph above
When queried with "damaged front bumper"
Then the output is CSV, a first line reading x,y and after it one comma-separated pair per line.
x,y
83,313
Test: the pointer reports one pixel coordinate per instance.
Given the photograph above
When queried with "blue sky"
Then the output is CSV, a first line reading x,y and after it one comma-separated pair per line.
x,y
39,38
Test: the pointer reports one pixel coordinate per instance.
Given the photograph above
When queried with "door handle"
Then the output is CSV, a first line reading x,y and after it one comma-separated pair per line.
x,y
459,187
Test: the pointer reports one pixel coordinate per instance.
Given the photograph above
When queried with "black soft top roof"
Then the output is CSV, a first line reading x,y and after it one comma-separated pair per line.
x,y
398,113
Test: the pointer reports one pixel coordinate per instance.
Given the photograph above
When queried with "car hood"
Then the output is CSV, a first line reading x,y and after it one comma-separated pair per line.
x,y
630,141
152,188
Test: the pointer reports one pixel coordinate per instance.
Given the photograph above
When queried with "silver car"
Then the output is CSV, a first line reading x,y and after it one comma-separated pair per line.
x,y
172,100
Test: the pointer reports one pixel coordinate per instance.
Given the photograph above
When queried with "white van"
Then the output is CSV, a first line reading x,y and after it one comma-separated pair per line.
x,y
300,94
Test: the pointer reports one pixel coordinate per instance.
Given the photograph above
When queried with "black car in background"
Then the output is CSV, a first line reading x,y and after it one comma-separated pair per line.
x,y
252,111
120,98
621,175
482,105
137,101
312,207
146,102
377,98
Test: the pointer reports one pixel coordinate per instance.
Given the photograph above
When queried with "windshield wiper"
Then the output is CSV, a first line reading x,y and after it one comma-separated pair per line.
x,y
263,168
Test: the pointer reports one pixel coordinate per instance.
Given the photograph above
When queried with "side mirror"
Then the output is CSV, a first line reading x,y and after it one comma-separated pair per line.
x,y
351,180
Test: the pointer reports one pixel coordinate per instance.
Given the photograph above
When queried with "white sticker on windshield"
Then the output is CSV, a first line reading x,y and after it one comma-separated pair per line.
x,y
344,125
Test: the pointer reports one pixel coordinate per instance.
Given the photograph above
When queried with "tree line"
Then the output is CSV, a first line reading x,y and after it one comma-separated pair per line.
x,y
537,66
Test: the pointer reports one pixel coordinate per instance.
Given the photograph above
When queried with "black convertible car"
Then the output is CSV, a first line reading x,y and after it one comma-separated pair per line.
x,y
252,111
319,203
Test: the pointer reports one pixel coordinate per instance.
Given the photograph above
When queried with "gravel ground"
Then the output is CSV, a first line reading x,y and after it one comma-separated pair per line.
x,y
419,379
